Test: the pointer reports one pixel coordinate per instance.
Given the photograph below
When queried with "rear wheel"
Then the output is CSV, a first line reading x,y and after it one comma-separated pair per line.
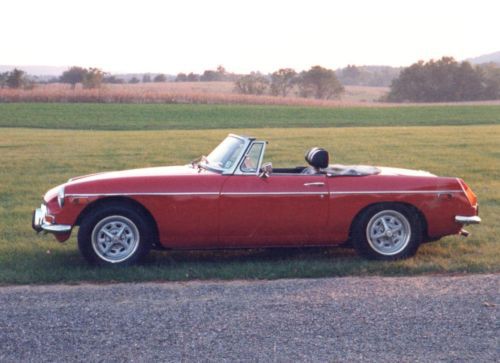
x,y
387,231
114,235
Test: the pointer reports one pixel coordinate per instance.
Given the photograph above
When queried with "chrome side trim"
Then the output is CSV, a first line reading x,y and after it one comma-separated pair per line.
x,y
190,194
77,195
468,219
397,192
275,193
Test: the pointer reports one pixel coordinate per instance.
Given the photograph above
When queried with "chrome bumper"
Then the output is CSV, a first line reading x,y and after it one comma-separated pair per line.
x,y
467,219
39,223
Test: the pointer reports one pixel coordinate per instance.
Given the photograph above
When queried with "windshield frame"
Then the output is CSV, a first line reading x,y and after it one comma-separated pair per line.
x,y
247,142
240,171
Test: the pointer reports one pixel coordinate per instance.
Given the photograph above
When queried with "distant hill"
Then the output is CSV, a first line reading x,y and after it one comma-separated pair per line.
x,y
45,73
486,58
372,76
128,76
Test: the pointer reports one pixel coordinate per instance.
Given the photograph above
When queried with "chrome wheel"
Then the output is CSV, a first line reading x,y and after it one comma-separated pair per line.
x,y
388,232
115,239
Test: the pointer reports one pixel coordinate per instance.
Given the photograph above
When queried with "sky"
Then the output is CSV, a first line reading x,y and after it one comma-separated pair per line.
x,y
243,36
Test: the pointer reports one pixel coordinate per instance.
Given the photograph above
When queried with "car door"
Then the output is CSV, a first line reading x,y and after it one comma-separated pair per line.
x,y
282,209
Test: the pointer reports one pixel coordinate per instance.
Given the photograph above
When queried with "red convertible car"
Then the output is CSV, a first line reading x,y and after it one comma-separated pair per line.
x,y
230,199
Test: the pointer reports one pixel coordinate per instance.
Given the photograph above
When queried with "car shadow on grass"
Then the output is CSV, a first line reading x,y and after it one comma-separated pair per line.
x,y
67,266
249,255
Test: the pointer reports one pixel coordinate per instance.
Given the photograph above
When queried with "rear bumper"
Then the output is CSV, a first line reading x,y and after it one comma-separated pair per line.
x,y
39,224
468,219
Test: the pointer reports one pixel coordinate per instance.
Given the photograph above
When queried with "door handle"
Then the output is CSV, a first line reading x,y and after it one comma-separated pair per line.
x,y
314,184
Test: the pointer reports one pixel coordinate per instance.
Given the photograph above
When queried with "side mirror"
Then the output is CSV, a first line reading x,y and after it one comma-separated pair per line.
x,y
266,170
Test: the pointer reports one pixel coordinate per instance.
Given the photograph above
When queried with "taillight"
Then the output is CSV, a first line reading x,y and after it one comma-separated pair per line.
x,y
468,192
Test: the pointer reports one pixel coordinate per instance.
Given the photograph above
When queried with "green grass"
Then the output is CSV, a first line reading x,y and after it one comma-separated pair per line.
x,y
35,160
189,117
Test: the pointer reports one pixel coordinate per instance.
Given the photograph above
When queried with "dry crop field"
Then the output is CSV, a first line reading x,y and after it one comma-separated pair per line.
x,y
35,159
200,93
180,92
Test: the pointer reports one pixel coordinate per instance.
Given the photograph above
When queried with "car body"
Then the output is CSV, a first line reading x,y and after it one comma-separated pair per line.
x,y
230,199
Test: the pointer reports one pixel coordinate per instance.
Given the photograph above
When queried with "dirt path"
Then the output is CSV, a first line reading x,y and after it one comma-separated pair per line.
x,y
434,318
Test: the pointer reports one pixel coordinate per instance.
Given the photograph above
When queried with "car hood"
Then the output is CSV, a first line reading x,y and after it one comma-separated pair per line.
x,y
131,173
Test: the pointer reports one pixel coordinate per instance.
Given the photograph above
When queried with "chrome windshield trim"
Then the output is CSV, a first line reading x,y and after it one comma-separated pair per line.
x,y
242,137
238,170
231,170
247,140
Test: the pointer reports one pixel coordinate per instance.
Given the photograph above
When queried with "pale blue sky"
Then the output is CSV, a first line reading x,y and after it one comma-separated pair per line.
x,y
190,35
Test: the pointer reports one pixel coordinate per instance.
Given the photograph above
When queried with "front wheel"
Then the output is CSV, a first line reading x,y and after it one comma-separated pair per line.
x,y
387,232
114,235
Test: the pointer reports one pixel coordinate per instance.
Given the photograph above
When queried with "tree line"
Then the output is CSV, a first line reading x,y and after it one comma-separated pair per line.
x,y
15,79
88,77
317,82
444,80
94,78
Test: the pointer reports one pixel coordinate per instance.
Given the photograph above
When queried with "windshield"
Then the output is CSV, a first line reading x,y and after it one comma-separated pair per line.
x,y
225,155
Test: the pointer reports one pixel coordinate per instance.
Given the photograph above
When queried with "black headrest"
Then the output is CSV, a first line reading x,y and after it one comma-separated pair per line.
x,y
317,158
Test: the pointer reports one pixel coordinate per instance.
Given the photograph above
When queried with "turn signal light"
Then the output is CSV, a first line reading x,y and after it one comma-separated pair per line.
x,y
469,193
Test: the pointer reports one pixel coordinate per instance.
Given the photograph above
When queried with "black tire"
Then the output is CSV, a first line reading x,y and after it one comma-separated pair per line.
x,y
387,231
107,221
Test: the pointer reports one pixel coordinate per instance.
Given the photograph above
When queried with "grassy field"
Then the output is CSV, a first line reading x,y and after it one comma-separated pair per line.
x,y
34,160
195,117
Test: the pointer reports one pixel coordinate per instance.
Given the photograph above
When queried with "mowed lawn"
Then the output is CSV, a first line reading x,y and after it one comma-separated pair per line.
x,y
86,116
33,160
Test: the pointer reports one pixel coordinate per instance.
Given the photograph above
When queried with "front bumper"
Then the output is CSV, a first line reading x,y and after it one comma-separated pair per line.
x,y
468,219
39,223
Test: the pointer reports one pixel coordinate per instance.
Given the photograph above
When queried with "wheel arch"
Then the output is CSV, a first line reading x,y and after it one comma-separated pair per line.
x,y
421,216
121,201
